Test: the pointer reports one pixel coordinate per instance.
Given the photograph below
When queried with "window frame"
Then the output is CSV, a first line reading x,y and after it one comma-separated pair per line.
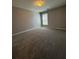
x,y
41,17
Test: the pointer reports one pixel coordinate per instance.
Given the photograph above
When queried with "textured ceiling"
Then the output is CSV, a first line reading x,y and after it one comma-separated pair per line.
x,y
29,4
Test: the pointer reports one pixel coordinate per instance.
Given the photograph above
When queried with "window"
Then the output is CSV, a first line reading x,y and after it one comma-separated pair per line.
x,y
44,19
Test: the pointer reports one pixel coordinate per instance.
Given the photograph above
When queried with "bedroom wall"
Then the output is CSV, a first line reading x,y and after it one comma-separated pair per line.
x,y
57,18
24,20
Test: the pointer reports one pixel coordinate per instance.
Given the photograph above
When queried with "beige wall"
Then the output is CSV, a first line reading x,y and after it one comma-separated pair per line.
x,y
57,17
24,20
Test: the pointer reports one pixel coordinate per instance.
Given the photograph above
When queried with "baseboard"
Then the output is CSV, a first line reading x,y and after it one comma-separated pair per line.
x,y
61,28
23,31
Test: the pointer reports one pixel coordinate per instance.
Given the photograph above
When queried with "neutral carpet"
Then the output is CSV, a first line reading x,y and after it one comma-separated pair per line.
x,y
41,43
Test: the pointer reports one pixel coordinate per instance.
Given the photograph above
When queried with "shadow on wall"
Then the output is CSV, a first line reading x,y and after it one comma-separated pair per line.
x,y
57,18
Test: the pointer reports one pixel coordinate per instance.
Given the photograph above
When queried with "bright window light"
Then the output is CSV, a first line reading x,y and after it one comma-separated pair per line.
x,y
45,19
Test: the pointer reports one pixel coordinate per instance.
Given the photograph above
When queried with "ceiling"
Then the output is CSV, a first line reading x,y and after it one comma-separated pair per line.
x,y
29,4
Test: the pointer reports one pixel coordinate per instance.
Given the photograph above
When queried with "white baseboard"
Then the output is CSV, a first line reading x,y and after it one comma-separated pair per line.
x,y
23,31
